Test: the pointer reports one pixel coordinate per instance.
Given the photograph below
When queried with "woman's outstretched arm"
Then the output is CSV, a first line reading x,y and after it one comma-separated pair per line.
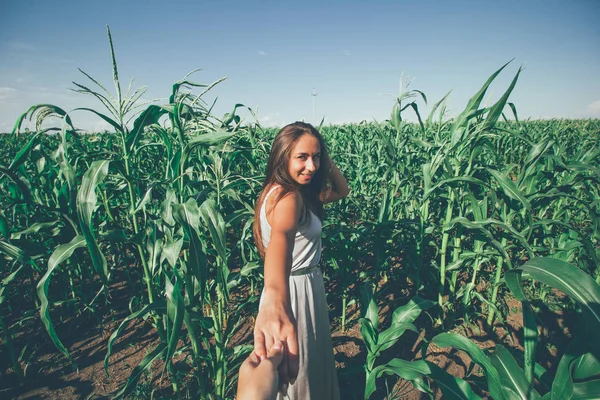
x,y
275,320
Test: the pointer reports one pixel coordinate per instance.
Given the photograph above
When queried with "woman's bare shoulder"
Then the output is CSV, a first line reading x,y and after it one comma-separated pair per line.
x,y
275,196
282,208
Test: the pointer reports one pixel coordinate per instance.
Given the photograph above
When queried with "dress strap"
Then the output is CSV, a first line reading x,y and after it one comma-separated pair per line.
x,y
264,204
269,192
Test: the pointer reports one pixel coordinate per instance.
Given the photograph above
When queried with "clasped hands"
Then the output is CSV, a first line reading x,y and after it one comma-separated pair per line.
x,y
275,323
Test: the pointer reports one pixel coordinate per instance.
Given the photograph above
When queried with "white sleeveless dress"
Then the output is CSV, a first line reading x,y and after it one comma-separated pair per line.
x,y
317,377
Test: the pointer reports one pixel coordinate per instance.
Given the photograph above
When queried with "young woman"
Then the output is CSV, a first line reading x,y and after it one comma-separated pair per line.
x,y
300,178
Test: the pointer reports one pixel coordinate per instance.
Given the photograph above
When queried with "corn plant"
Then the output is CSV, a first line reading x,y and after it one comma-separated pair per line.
x,y
377,341
165,205
577,376
173,216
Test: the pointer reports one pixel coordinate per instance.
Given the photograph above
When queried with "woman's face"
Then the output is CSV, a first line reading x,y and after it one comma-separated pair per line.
x,y
305,159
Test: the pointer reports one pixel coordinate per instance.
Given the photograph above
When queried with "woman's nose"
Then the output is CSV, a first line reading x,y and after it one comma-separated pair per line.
x,y
310,165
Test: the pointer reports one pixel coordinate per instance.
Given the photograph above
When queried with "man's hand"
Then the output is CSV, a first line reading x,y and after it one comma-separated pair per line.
x,y
258,378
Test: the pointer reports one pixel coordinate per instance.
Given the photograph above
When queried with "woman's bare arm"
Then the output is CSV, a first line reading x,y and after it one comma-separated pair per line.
x,y
339,186
278,255
275,320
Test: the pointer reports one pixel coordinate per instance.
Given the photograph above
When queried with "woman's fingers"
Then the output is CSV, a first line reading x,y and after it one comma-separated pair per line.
x,y
269,341
293,360
263,340
284,375
252,360
259,344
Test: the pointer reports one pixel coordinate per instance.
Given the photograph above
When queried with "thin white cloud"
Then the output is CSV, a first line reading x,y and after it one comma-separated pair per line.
x,y
6,91
22,46
347,53
270,120
594,108
262,53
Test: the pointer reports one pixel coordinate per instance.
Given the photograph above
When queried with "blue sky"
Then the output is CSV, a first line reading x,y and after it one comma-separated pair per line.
x,y
274,53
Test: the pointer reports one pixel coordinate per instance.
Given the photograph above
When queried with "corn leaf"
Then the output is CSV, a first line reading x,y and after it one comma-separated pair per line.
x,y
60,254
86,204
511,375
462,343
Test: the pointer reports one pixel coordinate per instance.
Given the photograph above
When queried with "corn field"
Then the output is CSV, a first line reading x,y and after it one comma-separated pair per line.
x,y
457,215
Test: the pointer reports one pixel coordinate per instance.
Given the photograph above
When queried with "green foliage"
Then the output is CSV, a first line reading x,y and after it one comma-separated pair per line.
x,y
377,341
449,209
578,371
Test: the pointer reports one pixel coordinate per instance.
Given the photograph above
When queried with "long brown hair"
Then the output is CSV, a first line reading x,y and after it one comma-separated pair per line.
x,y
277,174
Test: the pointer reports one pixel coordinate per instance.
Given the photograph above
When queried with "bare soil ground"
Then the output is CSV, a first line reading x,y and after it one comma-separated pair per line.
x,y
51,376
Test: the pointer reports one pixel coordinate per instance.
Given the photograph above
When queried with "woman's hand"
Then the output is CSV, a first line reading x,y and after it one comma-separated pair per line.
x,y
339,186
275,322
